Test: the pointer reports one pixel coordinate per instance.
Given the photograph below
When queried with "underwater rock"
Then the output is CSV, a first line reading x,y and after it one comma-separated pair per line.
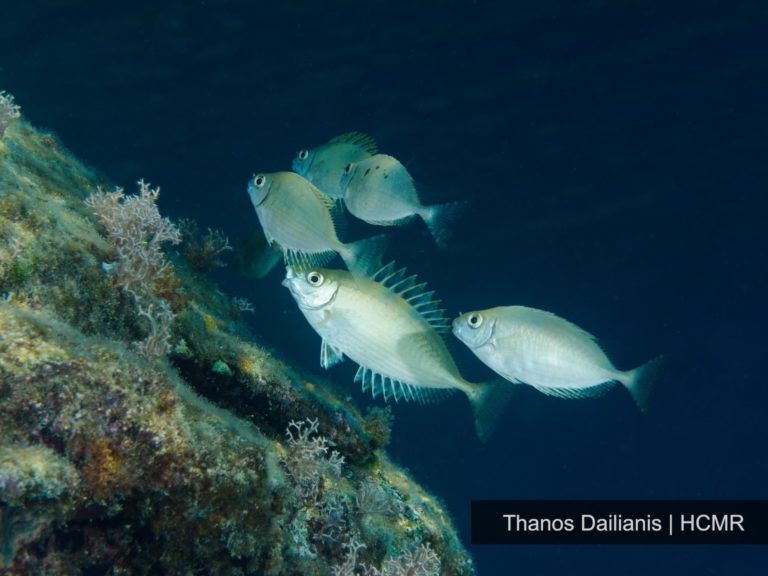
x,y
116,463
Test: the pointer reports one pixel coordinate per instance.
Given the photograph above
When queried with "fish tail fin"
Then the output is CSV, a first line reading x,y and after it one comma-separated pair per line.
x,y
641,380
254,257
363,257
488,402
440,217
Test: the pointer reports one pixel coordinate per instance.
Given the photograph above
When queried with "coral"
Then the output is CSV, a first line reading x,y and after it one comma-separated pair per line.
x,y
9,111
203,251
159,318
113,462
421,561
240,306
306,461
378,425
137,231
418,561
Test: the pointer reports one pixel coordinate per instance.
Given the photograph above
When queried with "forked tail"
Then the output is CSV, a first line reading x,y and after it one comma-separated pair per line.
x,y
641,380
363,257
440,217
488,403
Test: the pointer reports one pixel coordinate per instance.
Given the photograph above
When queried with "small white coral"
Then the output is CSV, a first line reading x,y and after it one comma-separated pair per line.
x,y
306,461
421,561
137,231
9,111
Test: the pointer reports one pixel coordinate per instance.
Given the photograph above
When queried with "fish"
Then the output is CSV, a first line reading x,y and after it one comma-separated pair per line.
x,y
542,350
254,257
324,164
299,218
380,191
392,327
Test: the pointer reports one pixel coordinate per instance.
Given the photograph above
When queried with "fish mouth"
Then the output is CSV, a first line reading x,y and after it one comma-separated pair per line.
x,y
456,325
290,274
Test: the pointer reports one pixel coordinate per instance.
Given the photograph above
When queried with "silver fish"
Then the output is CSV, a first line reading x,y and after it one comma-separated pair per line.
x,y
297,217
324,164
534,347
390,326
380,191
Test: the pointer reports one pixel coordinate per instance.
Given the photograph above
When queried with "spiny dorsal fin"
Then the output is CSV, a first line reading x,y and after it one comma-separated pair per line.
x,y
338,218
327,201
335,210
304,261
359,139
414,293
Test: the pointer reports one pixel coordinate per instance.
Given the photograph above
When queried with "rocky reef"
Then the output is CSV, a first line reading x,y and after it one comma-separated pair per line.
x,y
145,431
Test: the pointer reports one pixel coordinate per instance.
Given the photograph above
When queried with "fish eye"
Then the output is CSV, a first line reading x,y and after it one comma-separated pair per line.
x,y
348,169
475,320
259,181
303,154
315,279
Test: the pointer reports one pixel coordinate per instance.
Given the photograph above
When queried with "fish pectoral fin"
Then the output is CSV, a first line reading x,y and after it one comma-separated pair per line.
x,y
330,355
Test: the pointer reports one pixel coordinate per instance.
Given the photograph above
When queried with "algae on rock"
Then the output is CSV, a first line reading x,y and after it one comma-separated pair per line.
x,y
113,461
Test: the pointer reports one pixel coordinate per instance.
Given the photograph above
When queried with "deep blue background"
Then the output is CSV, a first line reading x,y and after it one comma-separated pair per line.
x,y
615,154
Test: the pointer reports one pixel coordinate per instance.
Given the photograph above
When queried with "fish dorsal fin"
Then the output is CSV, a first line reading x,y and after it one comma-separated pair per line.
x,y
330,355
414,293
327,201
304,261
338,218
362,141
335,210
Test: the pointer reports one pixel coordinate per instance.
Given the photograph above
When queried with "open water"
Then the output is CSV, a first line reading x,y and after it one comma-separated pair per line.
x,y
615,157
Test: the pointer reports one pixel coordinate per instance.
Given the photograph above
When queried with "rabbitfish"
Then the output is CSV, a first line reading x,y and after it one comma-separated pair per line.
x,y
324,164
380,191
554,356
390,327
297,217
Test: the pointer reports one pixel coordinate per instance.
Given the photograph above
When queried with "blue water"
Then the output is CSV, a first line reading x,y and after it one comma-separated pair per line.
x,y
615,156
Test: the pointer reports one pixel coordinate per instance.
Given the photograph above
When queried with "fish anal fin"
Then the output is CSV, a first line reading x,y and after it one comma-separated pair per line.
x,y
391,388
577,393
330,355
